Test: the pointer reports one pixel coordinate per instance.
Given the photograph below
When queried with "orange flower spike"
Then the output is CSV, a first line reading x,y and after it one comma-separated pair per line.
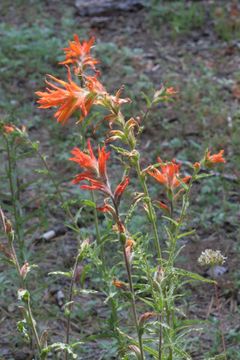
x,y
168,175
95,169
69,98
215,158
79,54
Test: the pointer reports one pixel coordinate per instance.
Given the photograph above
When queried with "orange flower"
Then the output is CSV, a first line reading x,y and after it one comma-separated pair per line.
x,y
170,91
129,243
119,284
197,165
120,189
8,128
129,249
69,98
79,54
94,85
146,316
163,206
95,169
168,175
215,158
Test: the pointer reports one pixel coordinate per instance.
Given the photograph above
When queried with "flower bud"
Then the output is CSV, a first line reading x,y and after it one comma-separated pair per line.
x,y
24,270
159,275
135,349
146,316
23,295
129,250
119,284
197,165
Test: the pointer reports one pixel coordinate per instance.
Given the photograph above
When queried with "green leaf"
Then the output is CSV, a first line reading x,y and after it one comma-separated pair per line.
x,y
35,145
42,171
186,234
147,99
120,150
86,292
67,274
182,353
23,295
21,326
88,203
148,302
171,220
60,347
192,275
202,176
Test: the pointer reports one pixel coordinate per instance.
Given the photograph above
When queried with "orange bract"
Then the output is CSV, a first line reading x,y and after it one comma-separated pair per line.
x,y
69,98
96,172
79,54
168,175
215,158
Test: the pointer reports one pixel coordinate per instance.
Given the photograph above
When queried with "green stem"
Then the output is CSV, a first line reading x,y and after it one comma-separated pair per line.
x,y
133,300
152,215
160,339
98,235
12,187
156,300
168,319
70,299
103,268
129,275
220,320
21,281
18,268
33,326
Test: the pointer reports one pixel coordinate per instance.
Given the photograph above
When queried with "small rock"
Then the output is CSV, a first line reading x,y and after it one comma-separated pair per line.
x,y
217,271
106,7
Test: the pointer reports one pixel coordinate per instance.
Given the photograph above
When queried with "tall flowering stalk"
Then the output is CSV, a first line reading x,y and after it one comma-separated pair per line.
x,y
95,171
23,293
81,95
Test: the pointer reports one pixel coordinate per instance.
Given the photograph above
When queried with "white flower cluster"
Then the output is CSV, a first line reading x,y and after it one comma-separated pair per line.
x,y
211,257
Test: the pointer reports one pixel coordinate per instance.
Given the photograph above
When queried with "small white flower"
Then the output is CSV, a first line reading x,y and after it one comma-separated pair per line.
x,y
211,257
